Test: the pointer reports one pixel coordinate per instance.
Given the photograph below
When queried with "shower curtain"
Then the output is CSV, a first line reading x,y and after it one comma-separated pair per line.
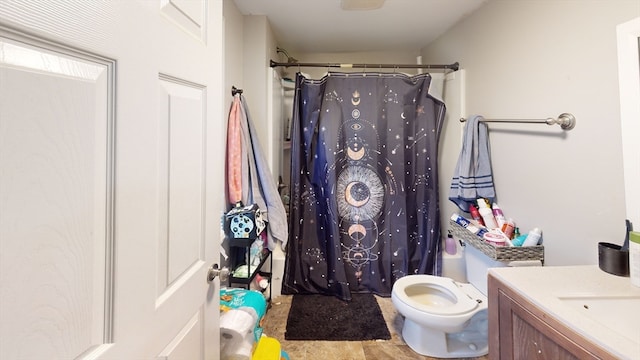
x,y
364,204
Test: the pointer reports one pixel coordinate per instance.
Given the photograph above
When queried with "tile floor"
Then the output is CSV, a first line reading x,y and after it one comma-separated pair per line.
x,y
275,323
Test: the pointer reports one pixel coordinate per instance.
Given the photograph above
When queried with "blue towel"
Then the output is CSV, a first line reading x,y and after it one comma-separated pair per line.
x,y
473,178
258,184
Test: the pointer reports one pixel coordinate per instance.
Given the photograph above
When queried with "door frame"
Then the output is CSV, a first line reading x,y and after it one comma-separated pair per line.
x,y
629,80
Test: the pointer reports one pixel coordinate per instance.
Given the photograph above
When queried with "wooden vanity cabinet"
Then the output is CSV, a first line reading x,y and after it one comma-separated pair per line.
x,y
520,330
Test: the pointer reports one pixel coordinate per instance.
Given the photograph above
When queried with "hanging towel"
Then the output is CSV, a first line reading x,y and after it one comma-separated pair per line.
x,y
234,154
473,178
257,185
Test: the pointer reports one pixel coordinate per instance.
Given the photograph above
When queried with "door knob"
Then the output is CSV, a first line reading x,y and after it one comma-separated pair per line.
x,y
214,271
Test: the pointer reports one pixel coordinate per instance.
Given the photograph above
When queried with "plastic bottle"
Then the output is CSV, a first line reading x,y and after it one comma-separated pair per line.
x,y
516,233
498,215
487,214
519,240
450,245
475,215
261,282
533,238
256,252
508,228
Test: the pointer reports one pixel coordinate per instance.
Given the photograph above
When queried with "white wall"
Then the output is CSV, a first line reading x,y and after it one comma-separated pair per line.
x,y
249,45
233,49
535,59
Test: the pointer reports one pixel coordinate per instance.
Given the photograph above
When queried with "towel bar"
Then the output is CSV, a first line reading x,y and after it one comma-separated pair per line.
x,y
565,120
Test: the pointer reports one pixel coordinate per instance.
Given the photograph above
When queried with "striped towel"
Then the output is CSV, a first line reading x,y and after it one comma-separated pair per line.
x,y
473,178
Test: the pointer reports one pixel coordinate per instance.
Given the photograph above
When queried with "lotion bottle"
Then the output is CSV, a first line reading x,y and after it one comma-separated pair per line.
x,y
499,215
487,215
533,238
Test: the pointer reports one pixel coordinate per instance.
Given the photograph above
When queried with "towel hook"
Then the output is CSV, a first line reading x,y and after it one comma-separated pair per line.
x,y
235,90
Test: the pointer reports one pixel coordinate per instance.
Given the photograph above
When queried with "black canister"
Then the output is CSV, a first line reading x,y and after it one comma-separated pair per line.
x,y
612,259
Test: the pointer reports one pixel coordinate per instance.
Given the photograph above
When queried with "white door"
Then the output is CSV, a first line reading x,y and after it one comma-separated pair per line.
x,y
110,178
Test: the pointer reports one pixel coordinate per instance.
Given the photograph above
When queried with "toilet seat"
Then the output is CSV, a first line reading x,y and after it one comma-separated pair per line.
x,y
446,286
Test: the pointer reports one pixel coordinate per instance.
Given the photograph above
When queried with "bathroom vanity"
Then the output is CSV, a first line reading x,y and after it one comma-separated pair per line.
x,y
563,312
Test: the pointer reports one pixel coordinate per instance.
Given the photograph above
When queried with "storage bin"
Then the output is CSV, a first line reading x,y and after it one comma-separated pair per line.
x,y
498,253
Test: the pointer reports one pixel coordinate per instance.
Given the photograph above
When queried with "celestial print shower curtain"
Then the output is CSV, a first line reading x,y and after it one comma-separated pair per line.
x,y
364,201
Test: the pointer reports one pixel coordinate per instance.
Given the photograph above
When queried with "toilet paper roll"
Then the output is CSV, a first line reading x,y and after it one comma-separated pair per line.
x,y
245,349
241,320
238,348
236,332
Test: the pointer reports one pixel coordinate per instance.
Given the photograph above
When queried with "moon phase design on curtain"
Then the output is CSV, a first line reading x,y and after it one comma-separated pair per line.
x,y
364,205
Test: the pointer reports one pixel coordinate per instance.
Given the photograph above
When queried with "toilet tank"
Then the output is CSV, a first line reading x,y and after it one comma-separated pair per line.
x,y
478,265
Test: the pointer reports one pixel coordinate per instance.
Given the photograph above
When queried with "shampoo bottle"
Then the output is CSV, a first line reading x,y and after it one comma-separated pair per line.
x,y
475,215
487,214
498,215
533,238
508,228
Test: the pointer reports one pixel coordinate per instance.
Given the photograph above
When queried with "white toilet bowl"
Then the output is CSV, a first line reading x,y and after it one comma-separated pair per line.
x,y
443,318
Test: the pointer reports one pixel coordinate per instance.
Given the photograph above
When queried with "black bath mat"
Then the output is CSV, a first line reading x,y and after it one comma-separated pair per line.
x,y
320,317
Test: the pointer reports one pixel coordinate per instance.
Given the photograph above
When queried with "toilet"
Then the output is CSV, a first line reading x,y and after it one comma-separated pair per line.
x,y
442,318
445,318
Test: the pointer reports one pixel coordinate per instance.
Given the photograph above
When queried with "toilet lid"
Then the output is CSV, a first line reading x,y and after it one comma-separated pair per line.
x,y
463,303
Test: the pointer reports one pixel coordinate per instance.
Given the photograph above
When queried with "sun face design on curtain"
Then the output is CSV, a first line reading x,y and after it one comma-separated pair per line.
x,y
364,206
360,194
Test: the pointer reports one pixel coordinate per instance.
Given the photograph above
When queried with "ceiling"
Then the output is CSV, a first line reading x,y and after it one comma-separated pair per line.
x,y
319,26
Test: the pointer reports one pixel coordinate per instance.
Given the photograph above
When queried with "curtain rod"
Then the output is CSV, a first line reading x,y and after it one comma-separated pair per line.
x,y
455,66
565,120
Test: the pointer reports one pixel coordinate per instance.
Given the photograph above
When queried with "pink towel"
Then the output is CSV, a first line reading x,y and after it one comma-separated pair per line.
x,y
234,153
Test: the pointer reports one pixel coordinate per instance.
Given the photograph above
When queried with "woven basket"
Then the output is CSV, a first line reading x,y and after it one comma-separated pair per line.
x,y
498,253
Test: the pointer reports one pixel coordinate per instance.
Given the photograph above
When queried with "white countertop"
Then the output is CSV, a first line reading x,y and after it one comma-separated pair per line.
x,y
579,296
